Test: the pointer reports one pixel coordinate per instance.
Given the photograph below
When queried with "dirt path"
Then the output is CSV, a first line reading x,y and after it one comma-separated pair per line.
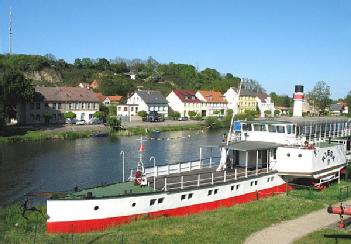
x,y
289,231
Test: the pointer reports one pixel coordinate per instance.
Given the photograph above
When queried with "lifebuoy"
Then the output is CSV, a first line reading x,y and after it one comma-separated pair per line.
x,y
138,177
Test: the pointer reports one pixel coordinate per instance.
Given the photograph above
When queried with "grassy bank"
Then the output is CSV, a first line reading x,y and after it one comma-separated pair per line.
x,y
225,225
146,131
318,237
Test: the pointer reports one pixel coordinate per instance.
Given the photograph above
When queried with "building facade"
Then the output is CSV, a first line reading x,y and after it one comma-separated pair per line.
x,y
264,103
184,101
213,103
109,100
148,101
54,102
247,101
232,98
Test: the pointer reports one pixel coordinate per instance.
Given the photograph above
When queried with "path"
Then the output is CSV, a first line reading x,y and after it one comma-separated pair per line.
x,y
289,231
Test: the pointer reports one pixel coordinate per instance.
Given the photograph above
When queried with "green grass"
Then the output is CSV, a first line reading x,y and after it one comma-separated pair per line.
x,y
318,237
225,225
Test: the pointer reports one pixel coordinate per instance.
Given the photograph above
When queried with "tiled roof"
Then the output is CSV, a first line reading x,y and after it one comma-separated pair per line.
x,y
66,94
213,96
152,97
262,96
100,96
247,93
115,98
336,107
187,96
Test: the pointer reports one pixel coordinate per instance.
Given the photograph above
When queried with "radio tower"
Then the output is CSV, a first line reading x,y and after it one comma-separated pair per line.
x,y
10,32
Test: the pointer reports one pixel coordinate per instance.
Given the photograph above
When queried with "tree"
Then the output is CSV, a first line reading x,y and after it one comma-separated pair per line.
x,y
14,89
142,114
47,116
348,102
252,85
69,115
173,114
99,115
116,85
192,114
320,95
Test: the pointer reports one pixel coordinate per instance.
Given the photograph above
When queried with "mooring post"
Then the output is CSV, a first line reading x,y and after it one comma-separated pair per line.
x,y
181,182
225,176
212,177
165,184
198,180
236,173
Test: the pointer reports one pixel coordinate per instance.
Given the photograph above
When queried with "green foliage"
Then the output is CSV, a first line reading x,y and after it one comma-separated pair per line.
x,y
247,115
320,95
192,114
142,114
252,85
69,115
112,110
267,113
281,101
173,114
348,102
276,112
112,85
113,121
213,122
99,115
47,116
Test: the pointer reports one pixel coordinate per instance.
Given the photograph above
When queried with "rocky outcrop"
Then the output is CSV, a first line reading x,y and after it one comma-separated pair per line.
x,y
44,75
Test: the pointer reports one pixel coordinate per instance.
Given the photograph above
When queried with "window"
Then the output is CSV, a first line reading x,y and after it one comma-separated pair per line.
x,y
160,200
152,202
70,106
91,116
133,204
251,183
209,192
274,153
132,109
272,178
37,105
119,108
232,187
190,195
54,116
300,155
59,106
256,182
237,186
215,191
84,105
259,127
46,105
288,129
125,109
37,117
59,116
268,179
32,105
288,155
272,128
182,197
96,106
280,129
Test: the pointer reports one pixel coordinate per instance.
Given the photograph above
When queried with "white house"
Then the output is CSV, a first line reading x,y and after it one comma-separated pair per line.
x,y
149,101
232,98
214,103
55,101
264,103
127,111
184,101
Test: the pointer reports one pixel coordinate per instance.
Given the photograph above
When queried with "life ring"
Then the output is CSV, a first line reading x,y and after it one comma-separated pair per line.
x,y
138,177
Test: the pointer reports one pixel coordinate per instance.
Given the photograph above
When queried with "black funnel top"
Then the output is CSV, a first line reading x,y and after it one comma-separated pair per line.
x,y
298,88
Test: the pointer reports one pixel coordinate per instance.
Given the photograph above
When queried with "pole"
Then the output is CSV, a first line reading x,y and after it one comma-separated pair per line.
x,y
122,153
153,158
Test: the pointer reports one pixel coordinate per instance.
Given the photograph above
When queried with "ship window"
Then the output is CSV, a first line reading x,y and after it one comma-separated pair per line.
x,y
288,129
280,129
251,183
215,191
182,197
288,154
258,127
268,179
272,178
190,196
232,188
272,128
237,187
133,204
300,155
256,182
152,202
209,192
96,208
160,200
248,127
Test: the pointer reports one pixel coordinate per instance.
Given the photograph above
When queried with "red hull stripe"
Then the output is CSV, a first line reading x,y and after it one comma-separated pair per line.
x,y
82,226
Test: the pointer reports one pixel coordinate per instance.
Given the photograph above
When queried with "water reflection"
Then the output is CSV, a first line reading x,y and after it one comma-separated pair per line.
x,y
62,165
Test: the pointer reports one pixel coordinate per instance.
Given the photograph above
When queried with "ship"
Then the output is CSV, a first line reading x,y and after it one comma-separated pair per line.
x,y
257,159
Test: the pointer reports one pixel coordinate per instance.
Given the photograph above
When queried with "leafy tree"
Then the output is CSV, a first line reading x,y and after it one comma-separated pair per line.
x,y
192,114
348,102
173,114
142,114
213,122
116,85
102,64
252,85
47,116
69,115
114,122
99,115
78,63
267,113
15,89
210,74
320,95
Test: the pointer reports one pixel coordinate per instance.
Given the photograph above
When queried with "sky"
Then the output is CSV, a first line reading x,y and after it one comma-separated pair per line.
x,y
278,43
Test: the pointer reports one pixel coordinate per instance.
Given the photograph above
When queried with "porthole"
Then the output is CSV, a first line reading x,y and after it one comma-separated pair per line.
x,y
215,191
251,183
300,155
133,204
272,178
232,188
288,154
268,179
190,196
182,197
96,208
209,192
152,202
160,200
256,182
237,187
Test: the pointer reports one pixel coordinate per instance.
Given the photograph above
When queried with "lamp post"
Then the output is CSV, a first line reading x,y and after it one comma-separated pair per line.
x,y
122,153
153,158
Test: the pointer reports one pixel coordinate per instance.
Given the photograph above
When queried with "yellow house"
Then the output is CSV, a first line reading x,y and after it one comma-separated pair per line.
x,y
247,101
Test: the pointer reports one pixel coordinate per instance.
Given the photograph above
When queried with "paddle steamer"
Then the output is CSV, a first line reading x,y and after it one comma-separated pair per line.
x,y
256,160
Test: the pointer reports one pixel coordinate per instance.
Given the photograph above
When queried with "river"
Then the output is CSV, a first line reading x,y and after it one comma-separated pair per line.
x,y
62,165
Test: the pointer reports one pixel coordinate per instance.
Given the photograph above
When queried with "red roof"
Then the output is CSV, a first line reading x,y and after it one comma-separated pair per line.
x,y
187,96
212,96
100,96
115,98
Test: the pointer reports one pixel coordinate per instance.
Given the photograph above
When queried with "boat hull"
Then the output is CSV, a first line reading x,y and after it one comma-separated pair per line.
x,y
89,225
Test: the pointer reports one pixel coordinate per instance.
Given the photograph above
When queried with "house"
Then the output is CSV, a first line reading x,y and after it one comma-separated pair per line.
x,y
232,98
127,111
247,101
148,100
84,85
109,100
215,104
54,102
337,109
264,103
184,101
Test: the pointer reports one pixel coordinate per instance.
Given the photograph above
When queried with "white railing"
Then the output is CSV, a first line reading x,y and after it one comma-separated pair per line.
x,y
200,181
168,169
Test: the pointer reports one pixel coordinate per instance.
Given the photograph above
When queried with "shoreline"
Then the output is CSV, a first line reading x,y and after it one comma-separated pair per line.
x,y
76,132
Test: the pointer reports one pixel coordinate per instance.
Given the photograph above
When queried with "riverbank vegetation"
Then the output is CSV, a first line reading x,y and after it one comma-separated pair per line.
x,y
225,225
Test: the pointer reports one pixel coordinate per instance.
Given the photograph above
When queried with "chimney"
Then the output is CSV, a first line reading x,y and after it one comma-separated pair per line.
x,y
298,101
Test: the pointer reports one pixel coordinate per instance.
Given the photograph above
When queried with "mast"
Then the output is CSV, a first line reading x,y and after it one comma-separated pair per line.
x,y
10,32
141,150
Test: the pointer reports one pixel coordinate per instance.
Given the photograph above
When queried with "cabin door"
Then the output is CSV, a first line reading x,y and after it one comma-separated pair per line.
x,y
264,158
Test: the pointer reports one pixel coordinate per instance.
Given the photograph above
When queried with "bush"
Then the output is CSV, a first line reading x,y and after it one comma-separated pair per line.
x,y
192,114
276,112
267,113
213,122
173,115
99,115
114,122
69,115
142,114
47,116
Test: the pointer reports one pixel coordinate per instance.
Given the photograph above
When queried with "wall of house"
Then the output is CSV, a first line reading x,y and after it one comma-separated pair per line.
x,y
232,98
247,103
175,103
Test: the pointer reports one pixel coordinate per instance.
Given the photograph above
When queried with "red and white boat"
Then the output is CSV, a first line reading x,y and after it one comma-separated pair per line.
x,y
257,159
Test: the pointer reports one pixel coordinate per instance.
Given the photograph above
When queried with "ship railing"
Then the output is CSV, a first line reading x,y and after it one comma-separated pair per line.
x,y
178,182
176,168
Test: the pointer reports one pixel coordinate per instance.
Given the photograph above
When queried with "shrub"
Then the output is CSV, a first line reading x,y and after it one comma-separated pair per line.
x,y
173,115
213,122
69,115
267,113
114,122
192,114
142,113
99,115
47,116
276,112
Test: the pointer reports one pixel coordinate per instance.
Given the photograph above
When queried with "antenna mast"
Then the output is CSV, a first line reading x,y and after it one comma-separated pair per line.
x,y
10,32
